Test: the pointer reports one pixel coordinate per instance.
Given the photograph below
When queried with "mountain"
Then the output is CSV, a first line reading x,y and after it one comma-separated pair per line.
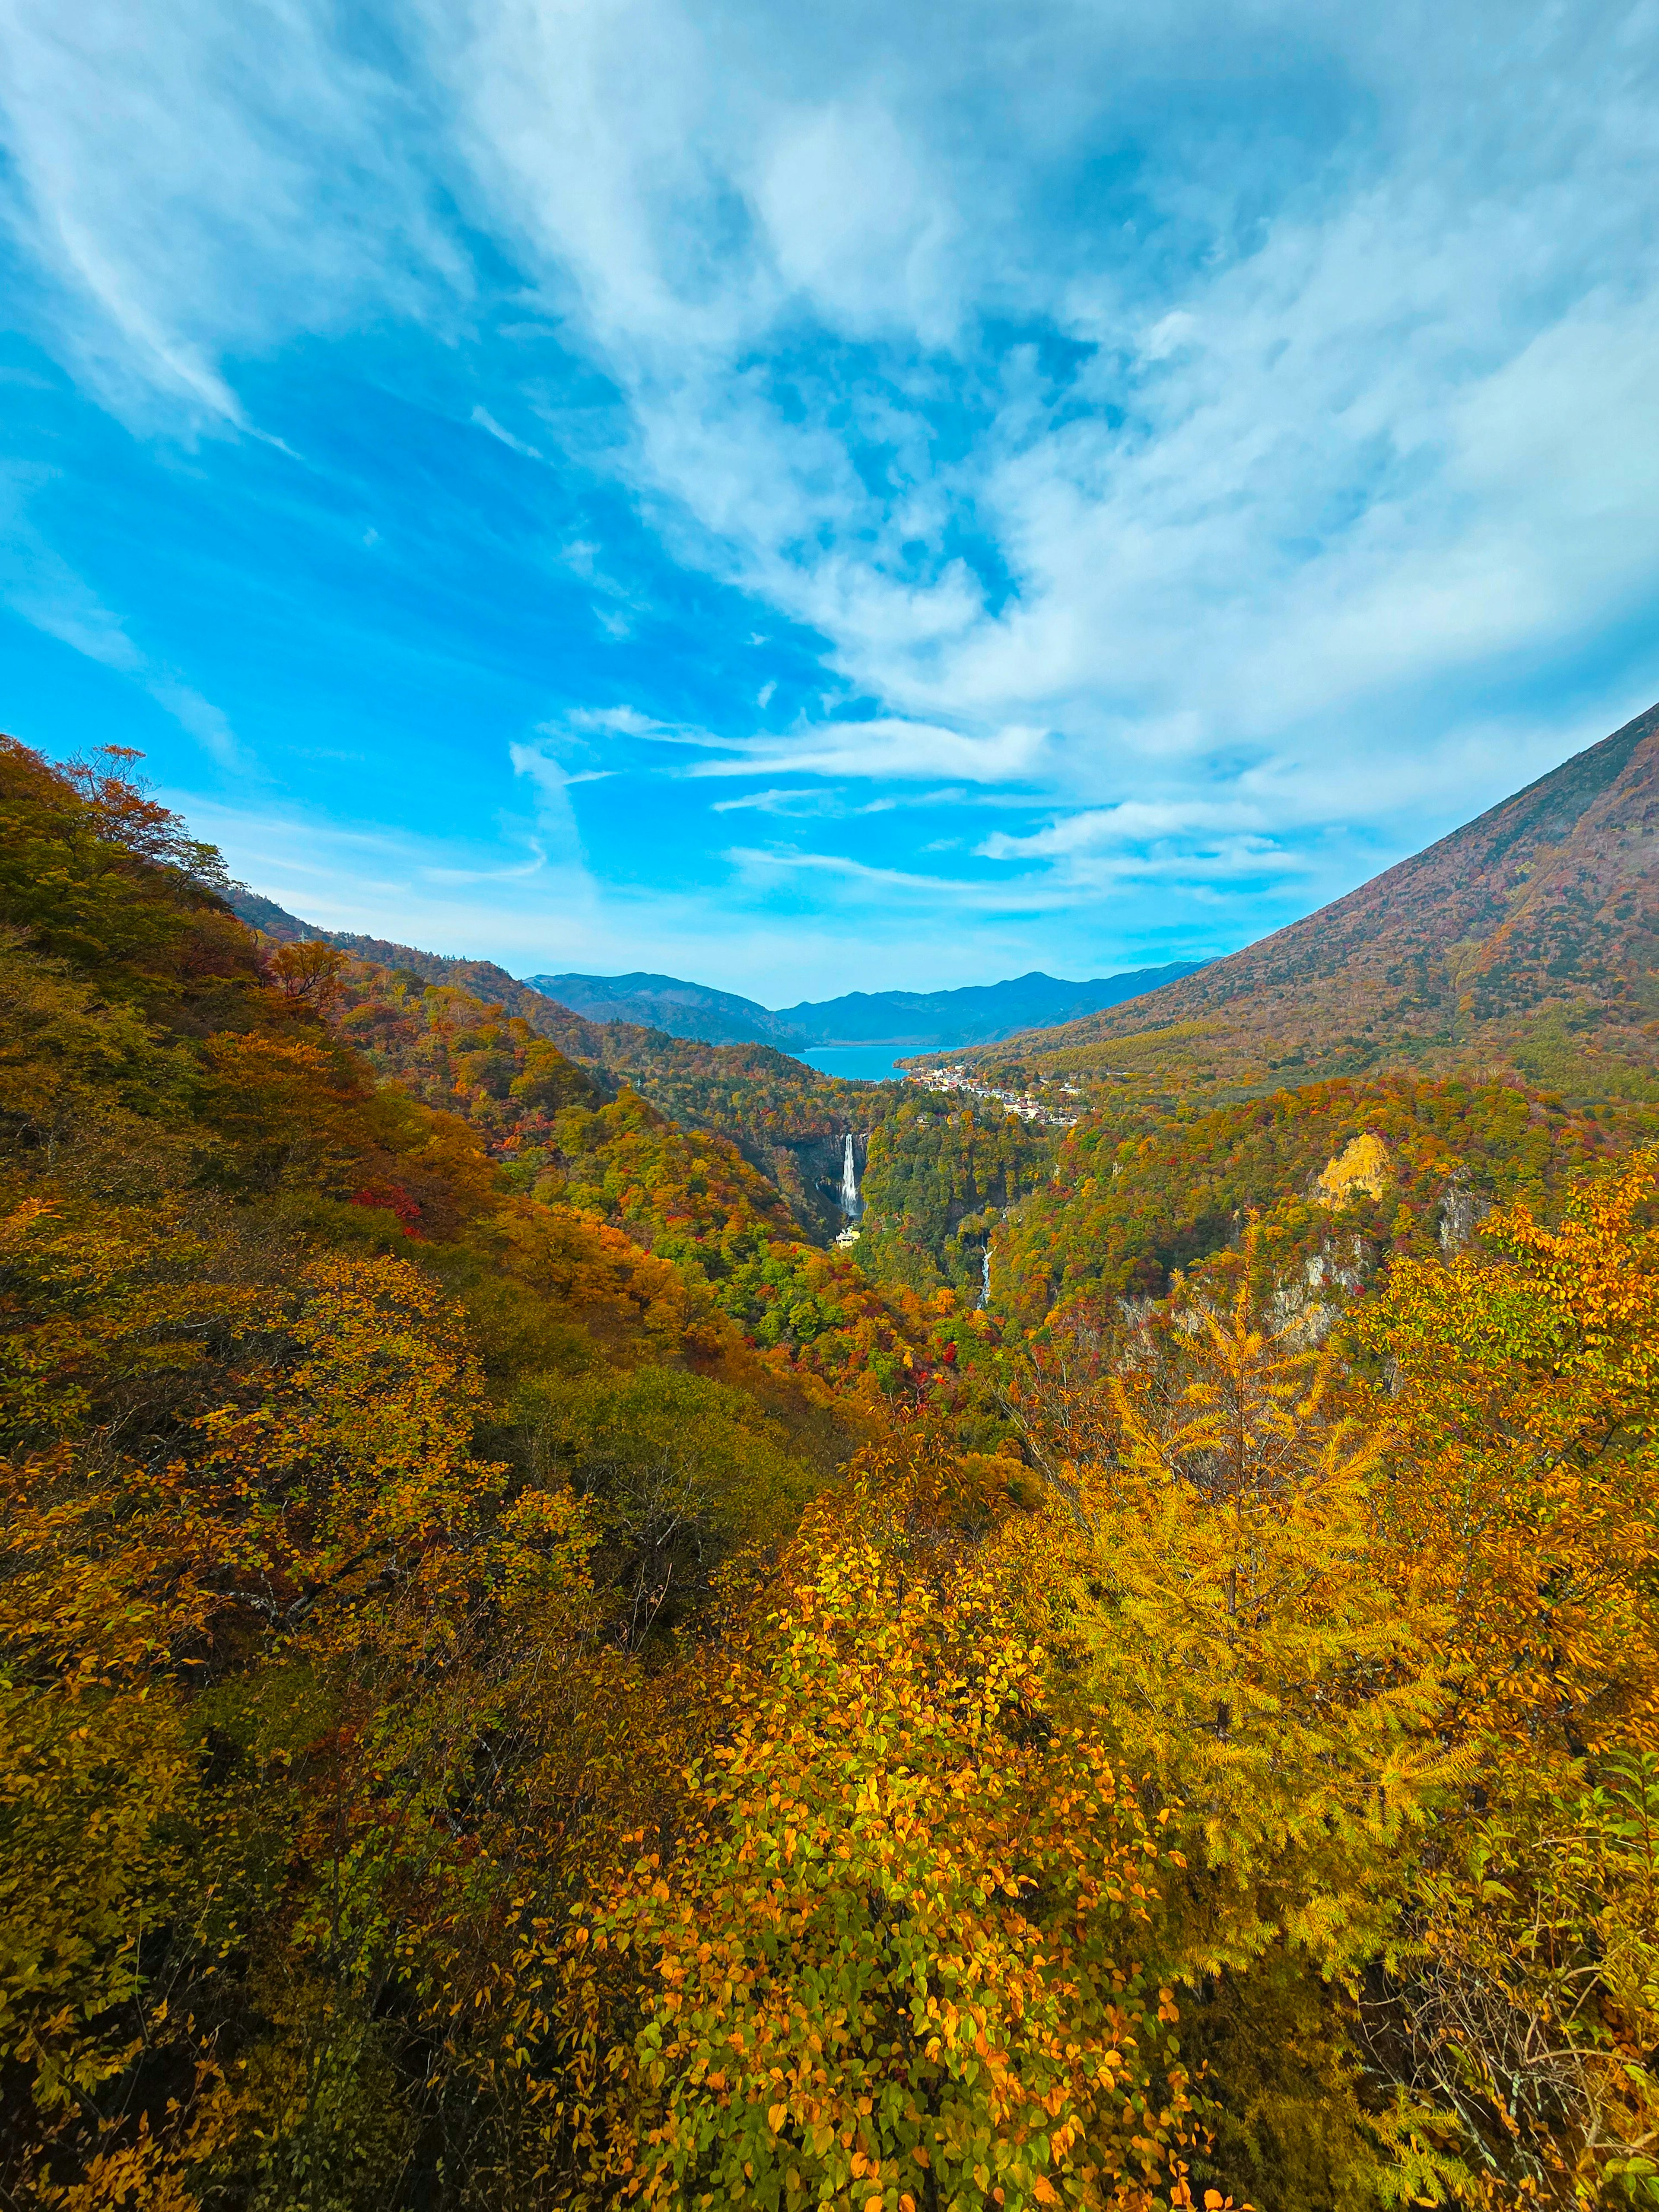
x,y
670,1004
786,1118
981,1013
613,1040
1525,943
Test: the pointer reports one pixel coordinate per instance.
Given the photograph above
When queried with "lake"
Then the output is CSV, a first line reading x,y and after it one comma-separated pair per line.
x,y
865,1063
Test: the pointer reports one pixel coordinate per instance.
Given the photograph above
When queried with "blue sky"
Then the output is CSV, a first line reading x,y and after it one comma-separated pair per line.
x,y
810,499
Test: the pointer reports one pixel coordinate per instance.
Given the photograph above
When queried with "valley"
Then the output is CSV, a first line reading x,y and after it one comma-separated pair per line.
x,y
829,1108
1120,1565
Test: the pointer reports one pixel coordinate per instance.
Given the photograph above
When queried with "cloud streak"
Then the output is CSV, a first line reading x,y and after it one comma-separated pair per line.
x,y
41,587
1226,440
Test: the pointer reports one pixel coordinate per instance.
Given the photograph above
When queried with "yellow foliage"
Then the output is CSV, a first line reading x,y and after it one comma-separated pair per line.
x,y
896,1943
1206,1541
1363,1164
1523,1494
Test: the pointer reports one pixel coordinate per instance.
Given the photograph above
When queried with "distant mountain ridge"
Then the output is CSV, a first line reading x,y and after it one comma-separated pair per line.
x,y
981,1013
785,1117
679,1009
978,1013
1525,943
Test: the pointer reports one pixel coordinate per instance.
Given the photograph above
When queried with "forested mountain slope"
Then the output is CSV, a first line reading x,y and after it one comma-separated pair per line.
x,y
1526,941
670,1003
788,1120
973,1012
1341,1178
524,1688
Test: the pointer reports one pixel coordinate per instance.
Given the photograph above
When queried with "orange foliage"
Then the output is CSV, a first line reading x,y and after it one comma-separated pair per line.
x,y
1523,1394
893,1955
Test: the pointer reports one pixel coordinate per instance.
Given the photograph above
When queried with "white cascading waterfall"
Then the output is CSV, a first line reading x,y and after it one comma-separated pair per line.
x,y
984,1275
851,1203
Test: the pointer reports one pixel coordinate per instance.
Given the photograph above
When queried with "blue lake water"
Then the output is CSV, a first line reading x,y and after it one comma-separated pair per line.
x,y
865,1063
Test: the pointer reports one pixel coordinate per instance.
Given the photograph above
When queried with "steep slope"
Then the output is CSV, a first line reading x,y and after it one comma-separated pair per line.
x,y
786,1118
1526,942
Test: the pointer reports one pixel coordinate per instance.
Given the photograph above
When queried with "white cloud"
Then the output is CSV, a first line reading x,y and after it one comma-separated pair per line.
x,y
1184,416
556,817
41,588
198,178
486,421
853,219
208,724
1373,441
871,884
884,748
1135,822
813,800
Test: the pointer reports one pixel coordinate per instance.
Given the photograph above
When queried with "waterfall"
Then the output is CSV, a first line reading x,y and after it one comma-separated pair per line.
x,y
851,1203
985,1274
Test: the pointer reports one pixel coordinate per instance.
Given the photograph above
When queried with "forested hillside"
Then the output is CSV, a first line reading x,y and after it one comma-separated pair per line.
x,y
937,1178
787,1118
1343,1175
1524,945
527,1682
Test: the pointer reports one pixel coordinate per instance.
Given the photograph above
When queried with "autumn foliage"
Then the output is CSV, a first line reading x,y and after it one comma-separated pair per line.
x,y
525,1681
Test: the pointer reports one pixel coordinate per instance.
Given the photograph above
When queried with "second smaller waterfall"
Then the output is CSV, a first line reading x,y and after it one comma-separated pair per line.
x,y
851,1203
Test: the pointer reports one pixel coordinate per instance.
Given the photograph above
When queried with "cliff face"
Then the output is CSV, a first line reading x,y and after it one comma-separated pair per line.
x,y
1528,940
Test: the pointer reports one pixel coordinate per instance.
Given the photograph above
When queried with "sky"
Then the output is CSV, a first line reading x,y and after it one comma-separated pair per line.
x,y
814,498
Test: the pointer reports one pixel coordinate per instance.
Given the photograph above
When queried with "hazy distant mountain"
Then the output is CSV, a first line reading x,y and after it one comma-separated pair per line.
x,y
1526,941
664,1002
981,1013
668,1007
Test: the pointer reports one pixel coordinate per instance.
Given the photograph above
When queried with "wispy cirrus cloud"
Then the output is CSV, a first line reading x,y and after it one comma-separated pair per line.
x,y
197,182
1135,823
884,749
39,585
1222,439
823,799
869,887
487,422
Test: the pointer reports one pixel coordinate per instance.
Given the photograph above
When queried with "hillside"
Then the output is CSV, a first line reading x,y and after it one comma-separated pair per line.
x,y
512,1664
788,1119
670,1004
979,1013
1524,943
